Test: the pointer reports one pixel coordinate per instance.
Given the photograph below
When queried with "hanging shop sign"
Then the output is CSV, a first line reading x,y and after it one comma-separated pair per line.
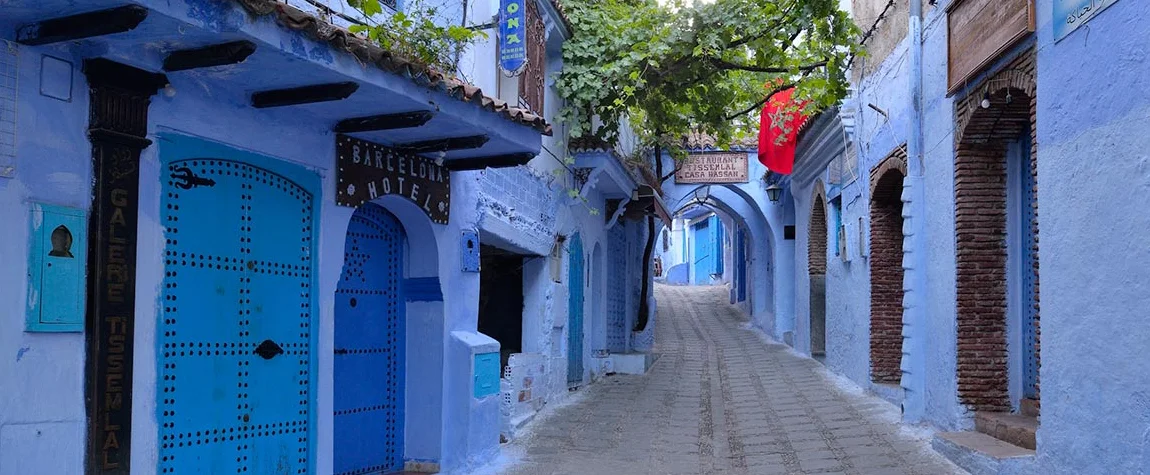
x,y
713,168
512,36
1071,14
980,31
367,170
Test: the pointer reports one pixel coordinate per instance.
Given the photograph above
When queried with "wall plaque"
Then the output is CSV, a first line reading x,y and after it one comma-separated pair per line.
x,y
367,170
721,167
1071,14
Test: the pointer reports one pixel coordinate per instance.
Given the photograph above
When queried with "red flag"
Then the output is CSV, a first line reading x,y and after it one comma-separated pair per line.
x,y
778,129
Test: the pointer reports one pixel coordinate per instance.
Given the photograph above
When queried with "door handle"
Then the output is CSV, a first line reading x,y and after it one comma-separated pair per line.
x,y
268,350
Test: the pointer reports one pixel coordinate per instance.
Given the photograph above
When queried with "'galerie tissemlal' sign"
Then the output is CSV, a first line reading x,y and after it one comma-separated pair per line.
x,y
723,167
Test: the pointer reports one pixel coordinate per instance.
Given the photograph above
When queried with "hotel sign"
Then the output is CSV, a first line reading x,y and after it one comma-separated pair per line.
x,y
713,168
1071,14
367,170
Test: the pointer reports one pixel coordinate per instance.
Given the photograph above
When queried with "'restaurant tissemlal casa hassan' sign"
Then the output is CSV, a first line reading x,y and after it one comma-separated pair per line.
x,y
367,170
728,167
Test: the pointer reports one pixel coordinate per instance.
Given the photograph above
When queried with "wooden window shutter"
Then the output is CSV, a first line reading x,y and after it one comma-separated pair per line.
x,y
531,81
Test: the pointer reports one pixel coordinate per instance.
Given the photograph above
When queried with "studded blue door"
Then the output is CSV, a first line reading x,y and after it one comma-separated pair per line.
x,y
617,289
575,312
741,259
1029,270
235,376
704,263
369,346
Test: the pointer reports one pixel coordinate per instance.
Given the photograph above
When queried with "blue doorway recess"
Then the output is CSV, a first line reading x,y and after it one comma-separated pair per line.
x,y
741,259
704,260
235,364
370,346
575,312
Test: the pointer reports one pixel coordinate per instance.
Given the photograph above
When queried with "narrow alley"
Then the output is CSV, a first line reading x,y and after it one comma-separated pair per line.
x,y
721,400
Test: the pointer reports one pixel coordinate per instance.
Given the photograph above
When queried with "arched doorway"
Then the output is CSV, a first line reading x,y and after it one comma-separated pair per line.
x,y
886,273
235,340
817,270
598,312
996,242
575,284
370,338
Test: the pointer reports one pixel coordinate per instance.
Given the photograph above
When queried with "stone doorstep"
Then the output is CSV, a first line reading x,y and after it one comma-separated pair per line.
x,y
981,454
412,467
1014,429
1029,407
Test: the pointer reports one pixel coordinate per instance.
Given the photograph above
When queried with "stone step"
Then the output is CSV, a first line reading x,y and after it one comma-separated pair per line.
x,y
981,454
1014,429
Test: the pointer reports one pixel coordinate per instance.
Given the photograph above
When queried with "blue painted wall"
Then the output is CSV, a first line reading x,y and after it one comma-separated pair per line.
x,y
1093,88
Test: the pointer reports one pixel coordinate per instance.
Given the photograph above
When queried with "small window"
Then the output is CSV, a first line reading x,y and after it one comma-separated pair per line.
x,y
837,223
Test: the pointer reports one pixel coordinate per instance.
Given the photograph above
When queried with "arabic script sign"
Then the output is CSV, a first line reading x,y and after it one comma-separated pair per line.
x,y
512,33
1071,14
727,167
367,170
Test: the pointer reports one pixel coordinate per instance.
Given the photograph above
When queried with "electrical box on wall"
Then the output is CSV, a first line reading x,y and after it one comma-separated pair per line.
x,y
57,260
469,250
486,374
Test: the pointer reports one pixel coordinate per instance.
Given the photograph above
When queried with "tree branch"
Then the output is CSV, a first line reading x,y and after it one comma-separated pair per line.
x,y
669,175
721,64
760,104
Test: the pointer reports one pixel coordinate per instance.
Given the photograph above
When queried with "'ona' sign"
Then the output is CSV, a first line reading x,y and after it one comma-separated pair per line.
x,y
512,32
721,167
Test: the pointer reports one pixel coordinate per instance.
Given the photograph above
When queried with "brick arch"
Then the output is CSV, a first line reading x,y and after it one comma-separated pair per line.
x,y
886,272
817,232
980,191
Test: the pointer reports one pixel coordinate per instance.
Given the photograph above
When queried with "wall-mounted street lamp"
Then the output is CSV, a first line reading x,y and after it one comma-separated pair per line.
x,y
702,193
774,191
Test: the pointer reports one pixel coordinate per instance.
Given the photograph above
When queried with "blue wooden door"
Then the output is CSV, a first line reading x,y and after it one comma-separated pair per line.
x,y
1029,275
575,312
369,346
617,289
717,244
704,262
235,376
741,259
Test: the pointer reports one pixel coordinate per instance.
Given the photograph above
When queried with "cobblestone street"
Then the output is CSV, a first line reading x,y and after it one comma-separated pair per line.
x,y
720,400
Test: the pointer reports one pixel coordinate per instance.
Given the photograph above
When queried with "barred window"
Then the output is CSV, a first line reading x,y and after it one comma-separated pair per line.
x,y
531,81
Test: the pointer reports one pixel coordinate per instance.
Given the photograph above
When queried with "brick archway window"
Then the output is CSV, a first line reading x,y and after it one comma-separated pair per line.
x,y
886,273
980,191
817,236
817,265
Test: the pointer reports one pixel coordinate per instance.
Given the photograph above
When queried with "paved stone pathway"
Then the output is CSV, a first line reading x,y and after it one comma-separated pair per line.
x,y
720,400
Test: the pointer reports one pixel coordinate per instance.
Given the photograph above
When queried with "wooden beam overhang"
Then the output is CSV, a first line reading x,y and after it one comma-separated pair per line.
x,y
494,161
444,145
215,55
83,25
372,123
304,95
